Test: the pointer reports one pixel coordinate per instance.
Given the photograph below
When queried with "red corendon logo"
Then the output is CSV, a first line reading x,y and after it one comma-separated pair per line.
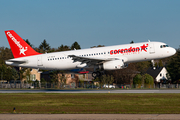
x,y
130,50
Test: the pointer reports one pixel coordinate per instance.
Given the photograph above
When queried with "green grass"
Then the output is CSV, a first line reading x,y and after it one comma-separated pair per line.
x,y
90,103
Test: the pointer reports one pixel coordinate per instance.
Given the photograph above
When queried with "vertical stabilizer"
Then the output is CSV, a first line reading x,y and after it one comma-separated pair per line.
x,y
18,46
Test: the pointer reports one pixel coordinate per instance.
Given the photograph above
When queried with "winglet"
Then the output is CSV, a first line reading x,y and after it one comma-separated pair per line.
x,y
18,46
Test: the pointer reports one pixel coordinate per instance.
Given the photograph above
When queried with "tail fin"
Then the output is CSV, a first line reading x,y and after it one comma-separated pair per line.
x,y
18,46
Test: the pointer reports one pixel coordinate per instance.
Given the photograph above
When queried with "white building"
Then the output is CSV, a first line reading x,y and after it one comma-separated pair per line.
x,y
158,74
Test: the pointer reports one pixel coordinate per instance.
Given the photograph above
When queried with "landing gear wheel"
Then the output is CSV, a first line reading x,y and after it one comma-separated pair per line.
x,y
96,74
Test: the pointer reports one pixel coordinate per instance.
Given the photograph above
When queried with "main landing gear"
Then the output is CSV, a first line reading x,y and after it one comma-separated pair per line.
x,y
97,74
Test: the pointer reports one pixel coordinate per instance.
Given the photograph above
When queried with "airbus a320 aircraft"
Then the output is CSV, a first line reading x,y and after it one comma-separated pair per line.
x,y
105,58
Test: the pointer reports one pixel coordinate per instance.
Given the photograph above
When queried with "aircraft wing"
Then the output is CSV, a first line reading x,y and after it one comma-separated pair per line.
x,y
89,60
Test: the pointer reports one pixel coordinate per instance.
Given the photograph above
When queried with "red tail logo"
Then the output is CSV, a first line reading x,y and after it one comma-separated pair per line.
x,y
18,46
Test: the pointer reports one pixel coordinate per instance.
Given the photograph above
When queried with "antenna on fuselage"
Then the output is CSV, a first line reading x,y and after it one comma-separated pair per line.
x,y
149,40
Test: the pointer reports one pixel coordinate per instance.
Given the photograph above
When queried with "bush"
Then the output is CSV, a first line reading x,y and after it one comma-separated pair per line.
x,y
137,80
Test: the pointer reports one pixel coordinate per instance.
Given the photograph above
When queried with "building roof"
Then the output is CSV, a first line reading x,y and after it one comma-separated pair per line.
x,y
154,72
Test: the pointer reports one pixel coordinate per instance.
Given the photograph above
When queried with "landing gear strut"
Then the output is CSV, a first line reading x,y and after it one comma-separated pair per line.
x,y
152,61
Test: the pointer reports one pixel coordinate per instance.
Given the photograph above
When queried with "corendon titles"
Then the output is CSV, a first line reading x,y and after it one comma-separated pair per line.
x,y
130,50
14,40
21,48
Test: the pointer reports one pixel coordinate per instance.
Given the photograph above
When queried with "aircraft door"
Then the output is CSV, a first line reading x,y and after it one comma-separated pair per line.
x,y
39,61
151,48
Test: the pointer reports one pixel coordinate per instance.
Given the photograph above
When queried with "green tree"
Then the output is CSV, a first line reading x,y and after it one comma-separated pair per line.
x,y
22,76
63,48
27,41
5,54
148,80
75,45
98,46
110,79
103,80
173,66
44,46
160,64
156,65
142,66
15,75
3,71
137,80
28,75
132,42
82,83
55,77
8,74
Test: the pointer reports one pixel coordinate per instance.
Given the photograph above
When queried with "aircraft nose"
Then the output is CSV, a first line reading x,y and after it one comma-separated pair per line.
x,y
173,51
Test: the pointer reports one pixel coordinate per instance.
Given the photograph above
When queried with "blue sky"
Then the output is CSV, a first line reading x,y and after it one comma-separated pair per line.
x,y
91,22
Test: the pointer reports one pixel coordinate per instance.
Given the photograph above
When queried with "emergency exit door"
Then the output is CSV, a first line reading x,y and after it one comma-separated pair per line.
x,y
39,61
151,48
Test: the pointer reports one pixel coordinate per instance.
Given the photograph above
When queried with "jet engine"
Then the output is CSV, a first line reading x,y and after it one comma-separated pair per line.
x,y
113,65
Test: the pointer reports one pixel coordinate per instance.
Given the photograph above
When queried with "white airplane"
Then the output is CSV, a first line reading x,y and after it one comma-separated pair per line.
x,y
104,58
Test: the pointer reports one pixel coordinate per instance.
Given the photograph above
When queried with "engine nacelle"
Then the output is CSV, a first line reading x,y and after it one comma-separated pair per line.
x,y
113,65
81,65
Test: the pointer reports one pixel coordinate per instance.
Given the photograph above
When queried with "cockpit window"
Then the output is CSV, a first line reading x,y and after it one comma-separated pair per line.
x,y
163,46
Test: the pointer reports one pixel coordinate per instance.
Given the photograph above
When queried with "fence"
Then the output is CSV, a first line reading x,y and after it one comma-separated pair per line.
x,y
13,86
45,85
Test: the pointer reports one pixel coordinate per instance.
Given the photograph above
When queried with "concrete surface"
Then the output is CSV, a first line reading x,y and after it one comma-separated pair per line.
x,y
89,116
90,91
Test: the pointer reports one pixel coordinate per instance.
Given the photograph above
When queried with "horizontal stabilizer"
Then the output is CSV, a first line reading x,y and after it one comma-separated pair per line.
x,y
13,61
